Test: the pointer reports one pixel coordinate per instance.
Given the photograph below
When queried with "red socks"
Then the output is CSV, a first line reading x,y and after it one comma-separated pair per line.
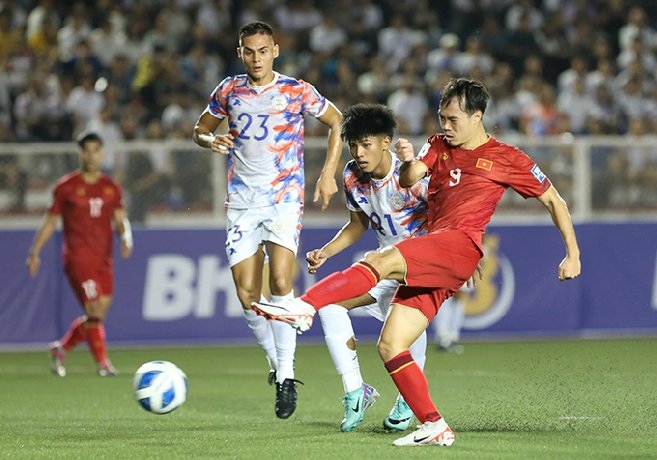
x,y
412,384
76,333
352,282
96,339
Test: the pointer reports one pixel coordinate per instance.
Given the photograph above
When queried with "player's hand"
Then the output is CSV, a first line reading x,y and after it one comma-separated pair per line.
x,y
325,189
479,273
315,259
404,150
33,264
569,268
221,143
126,251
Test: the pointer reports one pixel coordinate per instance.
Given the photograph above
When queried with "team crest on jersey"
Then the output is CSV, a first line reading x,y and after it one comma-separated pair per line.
x,y
279,102
444,156
483,163
108,191
397,201
538,174
80,191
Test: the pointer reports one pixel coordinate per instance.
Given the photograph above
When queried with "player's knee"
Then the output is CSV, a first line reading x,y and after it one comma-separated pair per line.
x,y
96,309
386,349
280,285
379,261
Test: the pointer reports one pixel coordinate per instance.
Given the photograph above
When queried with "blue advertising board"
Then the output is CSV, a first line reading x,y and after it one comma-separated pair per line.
x,y
177,286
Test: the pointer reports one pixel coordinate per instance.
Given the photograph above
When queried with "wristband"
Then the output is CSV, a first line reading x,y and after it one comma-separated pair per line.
x,y
126,236
207,138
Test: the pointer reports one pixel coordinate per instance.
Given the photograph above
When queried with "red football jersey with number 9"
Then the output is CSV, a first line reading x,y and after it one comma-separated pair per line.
x,y
87,212
466,185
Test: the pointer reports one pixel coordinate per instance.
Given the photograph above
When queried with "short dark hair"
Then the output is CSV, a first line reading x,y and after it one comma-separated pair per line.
x,y
471,95
254,28
88,136
362,120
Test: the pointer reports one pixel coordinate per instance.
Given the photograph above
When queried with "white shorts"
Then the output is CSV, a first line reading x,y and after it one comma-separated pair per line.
x,y
383,293
247,228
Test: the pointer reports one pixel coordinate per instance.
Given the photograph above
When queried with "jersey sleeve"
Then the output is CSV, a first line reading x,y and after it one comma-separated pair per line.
x,y
119,198
525,176
428,155
57,200
313,103
217,105
349,179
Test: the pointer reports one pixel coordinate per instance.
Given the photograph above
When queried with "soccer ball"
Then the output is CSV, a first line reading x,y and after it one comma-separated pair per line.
x,y
160,387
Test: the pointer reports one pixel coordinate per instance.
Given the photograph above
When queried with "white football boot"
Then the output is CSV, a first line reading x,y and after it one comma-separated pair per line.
x,y
429,434
295,312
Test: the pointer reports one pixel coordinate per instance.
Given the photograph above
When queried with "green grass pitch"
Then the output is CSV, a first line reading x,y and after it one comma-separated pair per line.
x,y
579,399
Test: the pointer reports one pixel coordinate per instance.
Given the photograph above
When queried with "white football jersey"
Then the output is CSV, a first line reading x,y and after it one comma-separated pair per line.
x,y
265,166
396,213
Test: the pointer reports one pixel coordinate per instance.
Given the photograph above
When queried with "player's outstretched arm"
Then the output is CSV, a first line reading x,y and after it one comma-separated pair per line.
x,y
411,170
326,186
570,267
351,232
124,230
204,136
43,234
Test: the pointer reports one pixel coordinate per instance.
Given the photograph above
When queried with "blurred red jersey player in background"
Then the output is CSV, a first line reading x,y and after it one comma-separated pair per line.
x,y
88,202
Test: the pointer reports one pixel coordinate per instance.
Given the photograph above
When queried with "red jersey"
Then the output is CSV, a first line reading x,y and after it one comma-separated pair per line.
x,y
87,212
466,185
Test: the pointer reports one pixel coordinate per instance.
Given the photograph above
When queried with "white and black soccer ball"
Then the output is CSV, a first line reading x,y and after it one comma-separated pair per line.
x,y
160,386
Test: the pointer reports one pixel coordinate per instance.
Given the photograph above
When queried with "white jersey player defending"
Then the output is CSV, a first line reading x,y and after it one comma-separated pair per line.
x,y
374,196
265,200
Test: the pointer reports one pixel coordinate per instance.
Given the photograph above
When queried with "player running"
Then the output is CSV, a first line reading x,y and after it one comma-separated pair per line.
x,y
88,202
265,200
469,171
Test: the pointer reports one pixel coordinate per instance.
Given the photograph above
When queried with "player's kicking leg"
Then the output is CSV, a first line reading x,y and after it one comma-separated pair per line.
x,y
339,336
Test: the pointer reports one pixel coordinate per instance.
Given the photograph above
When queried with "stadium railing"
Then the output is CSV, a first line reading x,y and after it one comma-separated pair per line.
x,y
177,184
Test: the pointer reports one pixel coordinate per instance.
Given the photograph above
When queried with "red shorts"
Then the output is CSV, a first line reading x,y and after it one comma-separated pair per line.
x,y
90,282
437,265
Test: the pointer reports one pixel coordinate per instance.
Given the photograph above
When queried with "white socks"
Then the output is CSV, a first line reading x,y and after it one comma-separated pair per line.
x,y
448,322
285,338
263,333
337,332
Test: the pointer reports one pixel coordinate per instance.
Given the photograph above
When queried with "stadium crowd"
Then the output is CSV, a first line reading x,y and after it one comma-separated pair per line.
x,y
143,69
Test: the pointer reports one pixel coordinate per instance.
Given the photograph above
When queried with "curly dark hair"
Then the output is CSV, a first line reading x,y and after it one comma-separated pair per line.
x,y
362,120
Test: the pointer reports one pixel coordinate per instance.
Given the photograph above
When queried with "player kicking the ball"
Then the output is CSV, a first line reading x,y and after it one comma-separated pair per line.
x,y
88,202
469,171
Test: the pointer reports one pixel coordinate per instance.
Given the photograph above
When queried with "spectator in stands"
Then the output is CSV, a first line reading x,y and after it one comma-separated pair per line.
x,y
445,57
84,102
576,104
327,36
410,106
75,30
